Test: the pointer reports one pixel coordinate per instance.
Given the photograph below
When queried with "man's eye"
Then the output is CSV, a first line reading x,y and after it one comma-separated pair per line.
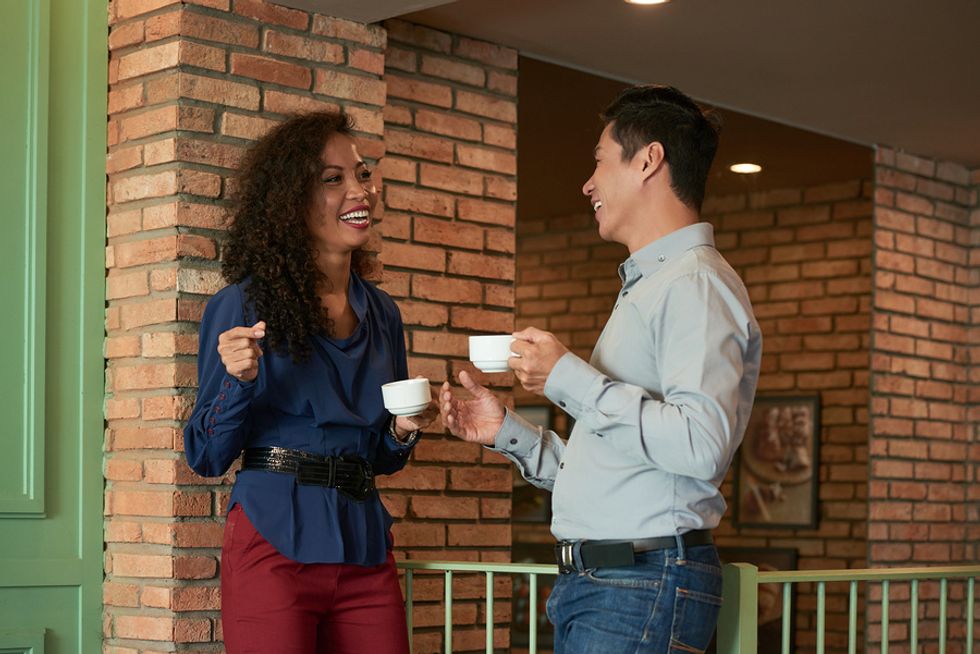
x,y
365,174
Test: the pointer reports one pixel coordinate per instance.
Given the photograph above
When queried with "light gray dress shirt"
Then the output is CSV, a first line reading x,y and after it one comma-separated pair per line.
x,y
660,408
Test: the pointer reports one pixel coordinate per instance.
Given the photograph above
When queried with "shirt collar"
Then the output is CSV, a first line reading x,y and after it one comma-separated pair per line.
x,y
651,258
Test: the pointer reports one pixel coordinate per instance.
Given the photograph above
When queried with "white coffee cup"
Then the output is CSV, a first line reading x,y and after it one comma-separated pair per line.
x,y
407,397
490,353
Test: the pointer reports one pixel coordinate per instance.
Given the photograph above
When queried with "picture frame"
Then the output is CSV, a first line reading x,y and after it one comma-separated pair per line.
x,y
530,503
778,463
770,618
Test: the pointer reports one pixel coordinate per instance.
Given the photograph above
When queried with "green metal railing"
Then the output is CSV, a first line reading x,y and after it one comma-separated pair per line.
x,y
488,569
738,622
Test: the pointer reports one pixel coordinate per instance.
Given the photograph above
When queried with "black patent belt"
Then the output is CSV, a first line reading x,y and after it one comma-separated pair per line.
x,y
350,475
580,555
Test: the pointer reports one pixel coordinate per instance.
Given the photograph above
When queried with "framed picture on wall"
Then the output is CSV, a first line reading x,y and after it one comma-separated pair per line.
x,y
776,471
770,595
530,503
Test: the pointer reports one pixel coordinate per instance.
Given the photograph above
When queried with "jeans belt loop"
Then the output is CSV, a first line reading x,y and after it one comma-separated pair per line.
x,y
681,554
577,555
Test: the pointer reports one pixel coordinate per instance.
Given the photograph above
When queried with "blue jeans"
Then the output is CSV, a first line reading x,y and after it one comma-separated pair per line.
x,y
667,602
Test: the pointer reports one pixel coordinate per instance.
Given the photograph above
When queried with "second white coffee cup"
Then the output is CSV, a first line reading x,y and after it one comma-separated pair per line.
x,y
407,397
490,353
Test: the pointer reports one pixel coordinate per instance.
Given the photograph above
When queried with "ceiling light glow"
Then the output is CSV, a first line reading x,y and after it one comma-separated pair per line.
x,y
647,2
745,168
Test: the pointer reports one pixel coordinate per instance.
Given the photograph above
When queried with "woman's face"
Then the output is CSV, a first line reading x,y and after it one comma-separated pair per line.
x,y
344,198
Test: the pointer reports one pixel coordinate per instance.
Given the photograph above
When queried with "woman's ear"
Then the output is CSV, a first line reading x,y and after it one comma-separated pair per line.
x,y
651,159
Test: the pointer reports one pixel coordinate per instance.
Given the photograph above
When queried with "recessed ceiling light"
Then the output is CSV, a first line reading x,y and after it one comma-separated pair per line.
x,y
647,2
745,168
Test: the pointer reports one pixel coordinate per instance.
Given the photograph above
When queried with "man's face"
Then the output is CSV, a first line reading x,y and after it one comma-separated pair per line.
x,y
613,189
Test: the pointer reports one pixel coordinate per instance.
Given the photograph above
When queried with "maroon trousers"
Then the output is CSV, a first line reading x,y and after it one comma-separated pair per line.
x,y
270,603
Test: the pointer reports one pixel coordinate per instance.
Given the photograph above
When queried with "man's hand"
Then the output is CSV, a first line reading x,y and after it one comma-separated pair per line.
x,y
477,420
537,353
240,351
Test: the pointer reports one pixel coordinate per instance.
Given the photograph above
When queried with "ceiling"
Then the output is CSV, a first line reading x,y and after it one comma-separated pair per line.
x,y
803,88
554,146
892,72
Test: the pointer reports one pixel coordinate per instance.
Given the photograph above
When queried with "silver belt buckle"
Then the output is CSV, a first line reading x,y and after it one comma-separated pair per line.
x,y
566,558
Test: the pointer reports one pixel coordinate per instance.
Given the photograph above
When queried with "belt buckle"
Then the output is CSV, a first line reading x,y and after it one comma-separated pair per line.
x,y
361,488
306,474
565,554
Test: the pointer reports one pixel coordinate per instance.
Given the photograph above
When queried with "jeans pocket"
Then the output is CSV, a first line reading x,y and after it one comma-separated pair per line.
x,y
695,617
627,577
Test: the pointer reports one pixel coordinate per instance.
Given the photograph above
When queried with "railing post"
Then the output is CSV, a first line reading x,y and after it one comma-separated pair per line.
x,y
738,622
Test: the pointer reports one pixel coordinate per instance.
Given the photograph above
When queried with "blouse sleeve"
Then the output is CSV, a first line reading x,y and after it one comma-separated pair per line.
x,y
392,455
216,432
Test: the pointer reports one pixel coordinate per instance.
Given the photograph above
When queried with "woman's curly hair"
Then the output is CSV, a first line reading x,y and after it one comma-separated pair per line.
x,y
269,240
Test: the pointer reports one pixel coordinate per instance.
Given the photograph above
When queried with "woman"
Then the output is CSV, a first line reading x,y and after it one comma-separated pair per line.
x,y
293,354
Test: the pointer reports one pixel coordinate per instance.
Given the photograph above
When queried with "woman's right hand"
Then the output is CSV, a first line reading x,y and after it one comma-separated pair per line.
x,y
240,351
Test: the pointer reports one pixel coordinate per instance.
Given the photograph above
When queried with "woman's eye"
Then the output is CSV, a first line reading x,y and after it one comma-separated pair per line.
x,y
333,179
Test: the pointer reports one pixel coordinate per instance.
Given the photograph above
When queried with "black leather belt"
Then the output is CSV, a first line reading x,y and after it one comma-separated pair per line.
x,y
352,476
579,555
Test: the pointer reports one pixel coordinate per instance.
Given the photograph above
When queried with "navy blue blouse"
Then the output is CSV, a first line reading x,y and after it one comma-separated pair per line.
x,y
329,404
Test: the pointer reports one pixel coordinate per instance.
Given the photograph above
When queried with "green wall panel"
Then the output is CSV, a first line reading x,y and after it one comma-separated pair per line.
x,y
23,144
52,289
22,642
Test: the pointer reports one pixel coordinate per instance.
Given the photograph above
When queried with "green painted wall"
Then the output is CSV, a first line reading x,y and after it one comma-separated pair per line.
x,y
52,159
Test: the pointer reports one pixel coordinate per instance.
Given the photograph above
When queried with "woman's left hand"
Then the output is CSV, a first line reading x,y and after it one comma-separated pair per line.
x,y
404,425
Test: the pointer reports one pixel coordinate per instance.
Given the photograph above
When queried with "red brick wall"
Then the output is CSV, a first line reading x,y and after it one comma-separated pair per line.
x,y
450,192
973,392
923,442
192,84
805,257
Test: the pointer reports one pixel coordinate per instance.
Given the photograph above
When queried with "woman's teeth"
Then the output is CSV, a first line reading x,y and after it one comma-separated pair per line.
x,y
356,217
596,205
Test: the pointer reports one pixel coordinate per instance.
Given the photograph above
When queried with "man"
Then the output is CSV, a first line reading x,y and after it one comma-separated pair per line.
x,y
660,408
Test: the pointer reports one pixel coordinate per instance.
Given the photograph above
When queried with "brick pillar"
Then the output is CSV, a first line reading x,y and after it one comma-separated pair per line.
x,y
192,84
923,405
450,192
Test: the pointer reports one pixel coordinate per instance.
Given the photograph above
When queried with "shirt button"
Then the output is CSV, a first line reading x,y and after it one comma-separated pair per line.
x,y
227,384
221,396
217,409
210,431
513,441
562,465
625,293
599,435
661,258
213,420
561,403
